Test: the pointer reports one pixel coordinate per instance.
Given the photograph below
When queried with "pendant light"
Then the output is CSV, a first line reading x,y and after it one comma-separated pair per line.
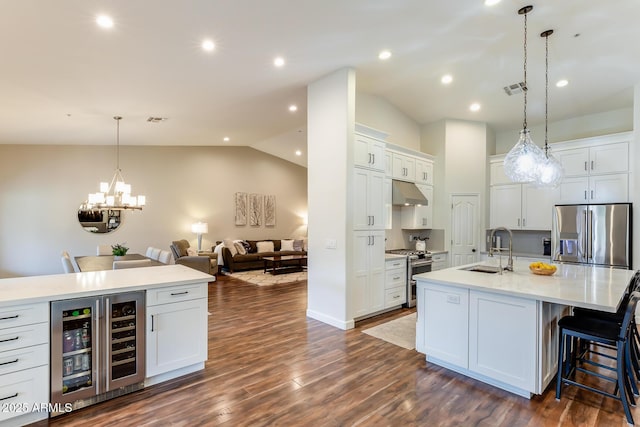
x,y
522,162
550,171
117,194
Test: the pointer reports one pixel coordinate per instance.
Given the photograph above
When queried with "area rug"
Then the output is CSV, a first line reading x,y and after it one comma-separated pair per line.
x,y
260,278
401,331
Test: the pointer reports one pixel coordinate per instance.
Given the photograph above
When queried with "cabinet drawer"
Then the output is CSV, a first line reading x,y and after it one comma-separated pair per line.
x,y
395,263
23,336
176,294
395,296
20,391
439,257
395,278
20,315
23,358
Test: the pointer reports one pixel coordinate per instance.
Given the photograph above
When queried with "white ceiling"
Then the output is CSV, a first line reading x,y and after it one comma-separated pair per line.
x,y
62,78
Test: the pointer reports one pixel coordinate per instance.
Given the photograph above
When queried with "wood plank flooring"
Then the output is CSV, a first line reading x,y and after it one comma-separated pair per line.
x,y
269,365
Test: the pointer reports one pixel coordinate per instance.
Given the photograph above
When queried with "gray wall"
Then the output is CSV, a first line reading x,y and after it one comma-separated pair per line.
x,y
41,188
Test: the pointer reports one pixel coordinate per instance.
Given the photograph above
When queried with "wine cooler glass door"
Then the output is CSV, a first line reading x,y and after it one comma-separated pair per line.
x,y
126,334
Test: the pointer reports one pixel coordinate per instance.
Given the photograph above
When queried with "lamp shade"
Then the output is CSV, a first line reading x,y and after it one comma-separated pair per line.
x,y
550,172
522,163
200,228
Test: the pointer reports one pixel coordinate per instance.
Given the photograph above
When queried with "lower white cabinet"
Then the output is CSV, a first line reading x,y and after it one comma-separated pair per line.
x,y
440,261
176,328
24,363
395,284
500,349
368,273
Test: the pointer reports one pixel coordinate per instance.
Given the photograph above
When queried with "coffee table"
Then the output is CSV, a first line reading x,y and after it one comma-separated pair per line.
x,y
273,264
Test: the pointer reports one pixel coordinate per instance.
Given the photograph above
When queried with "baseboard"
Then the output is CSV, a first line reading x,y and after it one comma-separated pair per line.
x,y
340,324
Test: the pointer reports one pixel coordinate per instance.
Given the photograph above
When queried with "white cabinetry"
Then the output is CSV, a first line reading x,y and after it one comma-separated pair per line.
x,y
440,261
24,362
419,217
504,351
522,206
176,328
369,152
395,284
388,204
609,158
368,266
368,199
424,172
403,167
612,188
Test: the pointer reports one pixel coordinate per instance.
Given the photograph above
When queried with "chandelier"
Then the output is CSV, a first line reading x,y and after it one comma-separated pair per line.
x,y
115,195
522,162
550,171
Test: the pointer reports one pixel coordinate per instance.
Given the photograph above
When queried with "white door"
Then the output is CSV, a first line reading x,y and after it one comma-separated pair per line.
x,y
464,229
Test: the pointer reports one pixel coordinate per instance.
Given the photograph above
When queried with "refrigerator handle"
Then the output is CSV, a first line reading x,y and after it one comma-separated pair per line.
x,y
590,241
96,345
584,236
107,332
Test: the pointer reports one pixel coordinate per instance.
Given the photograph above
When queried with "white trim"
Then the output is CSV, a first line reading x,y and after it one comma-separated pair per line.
x,y
340,324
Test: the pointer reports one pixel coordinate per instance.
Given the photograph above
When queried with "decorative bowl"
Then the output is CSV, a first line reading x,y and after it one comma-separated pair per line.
x,y
543,271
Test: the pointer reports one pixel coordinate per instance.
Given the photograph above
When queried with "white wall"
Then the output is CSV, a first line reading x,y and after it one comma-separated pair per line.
x,y
608,122
330,128
378,113
41,188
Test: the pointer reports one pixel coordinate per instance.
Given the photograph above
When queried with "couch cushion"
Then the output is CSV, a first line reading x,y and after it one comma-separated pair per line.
x,y
286,245
297,245
228,243
240,248
265,246
246,258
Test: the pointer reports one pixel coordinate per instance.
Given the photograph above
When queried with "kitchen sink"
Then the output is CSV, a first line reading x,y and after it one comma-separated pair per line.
x,y
491,269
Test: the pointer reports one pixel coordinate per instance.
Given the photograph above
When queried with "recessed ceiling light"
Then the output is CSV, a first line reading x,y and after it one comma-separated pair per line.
x,y
104,21
225,139
562,83
279,61
491,2
385,54
474,107
293,108
298,153
208,45
446,79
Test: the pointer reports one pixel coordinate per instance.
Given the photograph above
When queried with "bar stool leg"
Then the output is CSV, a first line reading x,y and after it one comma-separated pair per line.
x,y
622,380
561,362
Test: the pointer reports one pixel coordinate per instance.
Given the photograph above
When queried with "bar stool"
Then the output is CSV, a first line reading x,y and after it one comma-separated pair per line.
x,y
573,329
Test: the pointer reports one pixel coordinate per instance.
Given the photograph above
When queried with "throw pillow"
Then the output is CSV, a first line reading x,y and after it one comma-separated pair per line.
x,y
228,243
265,246
240,248
247,246
286,245
192,252
297,245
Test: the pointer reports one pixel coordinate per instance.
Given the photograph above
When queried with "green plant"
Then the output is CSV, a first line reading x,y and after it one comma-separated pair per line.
x,y
119,249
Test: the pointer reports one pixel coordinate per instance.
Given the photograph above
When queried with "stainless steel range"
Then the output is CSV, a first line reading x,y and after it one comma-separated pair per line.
x,y
417,262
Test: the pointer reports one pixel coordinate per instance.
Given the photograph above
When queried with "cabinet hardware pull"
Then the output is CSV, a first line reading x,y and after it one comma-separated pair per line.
x,y
591,164
524,222
152,323
10,317
9,397
592,194
518,222
373,156
8,363
373,220
370,158
11,339
395,278
179,293
585,194
373,240
585,165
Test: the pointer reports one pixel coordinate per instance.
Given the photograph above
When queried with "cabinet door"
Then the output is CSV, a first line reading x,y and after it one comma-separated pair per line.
x,y
388,207
609,188
497,174
375,200
361,218
369,152
359,304
574,190
388,164
424,172
403,167
410,166
377,274
574,161
506,206
611,158
176,336
505,351
537,207
377,150
438,306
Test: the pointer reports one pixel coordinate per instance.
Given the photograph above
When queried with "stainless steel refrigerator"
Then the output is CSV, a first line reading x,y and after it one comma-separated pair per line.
x,y
592,234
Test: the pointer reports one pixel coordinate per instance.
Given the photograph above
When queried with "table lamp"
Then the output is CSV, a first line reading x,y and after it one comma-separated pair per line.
x,y
200,228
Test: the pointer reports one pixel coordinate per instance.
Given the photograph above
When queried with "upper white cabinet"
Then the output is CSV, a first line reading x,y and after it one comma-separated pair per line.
x,y
609,158
368,200
369,152
403,167
424,172
522,206
612,188
388,206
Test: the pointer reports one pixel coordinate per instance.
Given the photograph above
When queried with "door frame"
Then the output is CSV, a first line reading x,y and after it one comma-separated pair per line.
x,y
449,238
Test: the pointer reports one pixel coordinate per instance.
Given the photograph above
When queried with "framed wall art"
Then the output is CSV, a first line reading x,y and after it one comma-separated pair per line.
x,y
241,208
255,210
270,211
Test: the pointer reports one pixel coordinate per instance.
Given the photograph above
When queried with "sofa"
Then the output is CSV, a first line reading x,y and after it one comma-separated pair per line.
x,y
239,255
207,262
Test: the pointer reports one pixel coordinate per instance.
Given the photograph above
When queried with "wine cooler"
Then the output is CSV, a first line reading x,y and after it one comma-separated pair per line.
x,y
97,348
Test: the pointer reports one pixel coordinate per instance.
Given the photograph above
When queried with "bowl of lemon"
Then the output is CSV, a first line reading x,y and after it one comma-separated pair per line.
x,y
542,268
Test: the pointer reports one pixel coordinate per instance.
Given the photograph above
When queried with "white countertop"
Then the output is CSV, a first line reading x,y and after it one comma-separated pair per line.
x,y
388,257
576,285
32,289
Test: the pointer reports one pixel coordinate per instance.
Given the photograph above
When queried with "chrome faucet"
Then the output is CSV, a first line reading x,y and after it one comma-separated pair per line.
x,y
510,261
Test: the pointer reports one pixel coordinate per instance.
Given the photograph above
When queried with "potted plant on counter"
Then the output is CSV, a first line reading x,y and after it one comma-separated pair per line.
x,y
118,250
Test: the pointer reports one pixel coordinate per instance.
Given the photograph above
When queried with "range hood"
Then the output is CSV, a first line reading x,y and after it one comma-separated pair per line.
x,y
406,193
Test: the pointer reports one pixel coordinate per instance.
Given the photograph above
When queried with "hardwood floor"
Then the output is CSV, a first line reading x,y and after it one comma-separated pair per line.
x,y
269,365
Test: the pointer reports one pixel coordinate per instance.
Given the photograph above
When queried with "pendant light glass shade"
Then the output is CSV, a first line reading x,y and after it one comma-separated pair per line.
x,y
523,161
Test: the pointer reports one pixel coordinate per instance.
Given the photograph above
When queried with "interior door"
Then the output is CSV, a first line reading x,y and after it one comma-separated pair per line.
x,y
464,228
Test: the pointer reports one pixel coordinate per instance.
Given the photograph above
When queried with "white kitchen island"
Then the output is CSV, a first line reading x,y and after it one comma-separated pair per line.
x,y
502,329
176,328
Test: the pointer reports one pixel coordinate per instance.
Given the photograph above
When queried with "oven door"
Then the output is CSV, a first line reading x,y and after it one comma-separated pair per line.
x,y
416,267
